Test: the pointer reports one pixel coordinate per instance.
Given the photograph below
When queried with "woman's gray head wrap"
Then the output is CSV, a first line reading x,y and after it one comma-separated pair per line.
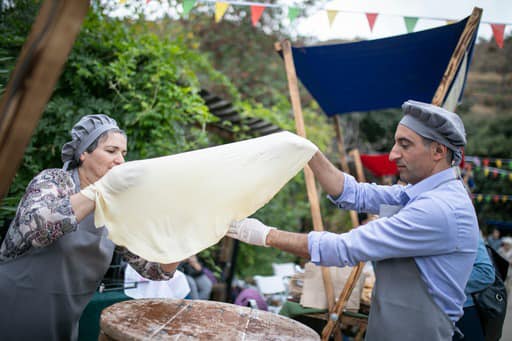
x,y
83,134
435,123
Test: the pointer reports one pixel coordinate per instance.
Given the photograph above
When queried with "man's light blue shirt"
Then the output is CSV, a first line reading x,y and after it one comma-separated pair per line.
x,y
437,226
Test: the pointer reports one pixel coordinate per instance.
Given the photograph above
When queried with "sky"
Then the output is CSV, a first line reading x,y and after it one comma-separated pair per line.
x,y
353,23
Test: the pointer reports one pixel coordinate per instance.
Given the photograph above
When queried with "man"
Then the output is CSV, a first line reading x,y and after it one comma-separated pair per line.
x,y
425,241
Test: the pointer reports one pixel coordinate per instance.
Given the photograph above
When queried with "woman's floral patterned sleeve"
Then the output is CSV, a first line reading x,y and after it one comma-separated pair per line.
x,y
150,270
43,215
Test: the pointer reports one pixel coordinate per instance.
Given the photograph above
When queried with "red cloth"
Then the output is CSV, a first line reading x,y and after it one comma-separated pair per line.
x,y
379,164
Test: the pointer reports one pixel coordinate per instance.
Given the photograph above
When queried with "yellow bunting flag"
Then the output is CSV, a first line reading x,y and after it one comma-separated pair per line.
x,y
504,198
510,176
486,171
331,15
122,1
499,163
479,197
220,9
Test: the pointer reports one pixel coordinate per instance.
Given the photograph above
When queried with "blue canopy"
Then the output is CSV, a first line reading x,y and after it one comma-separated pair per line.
x,y
378,74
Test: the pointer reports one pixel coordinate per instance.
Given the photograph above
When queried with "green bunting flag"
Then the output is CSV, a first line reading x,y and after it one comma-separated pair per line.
x,y
187,6
293,12
410,23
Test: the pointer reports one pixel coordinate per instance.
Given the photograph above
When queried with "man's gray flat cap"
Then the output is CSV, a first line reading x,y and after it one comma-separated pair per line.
x,y
435,123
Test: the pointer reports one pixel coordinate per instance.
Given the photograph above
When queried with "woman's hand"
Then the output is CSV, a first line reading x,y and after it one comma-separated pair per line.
x,y
82,206
170,267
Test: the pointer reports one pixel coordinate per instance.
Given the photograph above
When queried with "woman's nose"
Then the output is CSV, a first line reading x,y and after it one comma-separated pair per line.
x,y
119,159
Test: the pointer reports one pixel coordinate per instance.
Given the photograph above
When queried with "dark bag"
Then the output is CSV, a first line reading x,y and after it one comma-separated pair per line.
x,y
491,302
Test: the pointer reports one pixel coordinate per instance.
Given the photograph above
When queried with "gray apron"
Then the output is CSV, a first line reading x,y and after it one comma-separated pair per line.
x,y
402,308
43,292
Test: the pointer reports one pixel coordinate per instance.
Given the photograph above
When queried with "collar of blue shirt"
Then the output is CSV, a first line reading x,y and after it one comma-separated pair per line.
x,y
432,182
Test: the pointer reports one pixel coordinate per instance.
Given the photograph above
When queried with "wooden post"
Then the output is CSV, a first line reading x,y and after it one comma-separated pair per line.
x,y
359,165
457,56
33,80
344,163
337,311
286,48
341,144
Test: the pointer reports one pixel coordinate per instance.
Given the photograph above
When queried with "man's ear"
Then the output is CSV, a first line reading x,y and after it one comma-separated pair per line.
x,y
439,150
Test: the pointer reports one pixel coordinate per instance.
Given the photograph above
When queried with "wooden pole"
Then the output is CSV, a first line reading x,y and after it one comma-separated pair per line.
x,y
343,161
286,48
33,80
341,144
337,311
359,165
457,56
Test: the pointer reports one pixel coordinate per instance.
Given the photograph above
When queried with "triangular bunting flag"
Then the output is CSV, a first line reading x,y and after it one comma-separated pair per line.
x,y
498,30
220,9
256,12
293,12
410,23
122,1
372,17
187,6
331,15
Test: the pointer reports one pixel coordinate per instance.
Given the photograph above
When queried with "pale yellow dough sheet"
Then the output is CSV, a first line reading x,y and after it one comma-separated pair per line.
x,y
184,203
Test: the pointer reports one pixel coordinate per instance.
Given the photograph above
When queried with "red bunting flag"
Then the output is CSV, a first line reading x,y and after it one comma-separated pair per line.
x,y
498,30
372,17
256,12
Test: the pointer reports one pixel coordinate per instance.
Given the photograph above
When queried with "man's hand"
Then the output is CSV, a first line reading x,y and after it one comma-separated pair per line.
x,y
250,230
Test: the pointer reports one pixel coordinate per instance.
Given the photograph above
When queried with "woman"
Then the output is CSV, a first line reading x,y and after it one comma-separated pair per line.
x,y
53,257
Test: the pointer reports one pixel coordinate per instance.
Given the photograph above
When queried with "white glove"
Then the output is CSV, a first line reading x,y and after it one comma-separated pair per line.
x,y
250,230
116,180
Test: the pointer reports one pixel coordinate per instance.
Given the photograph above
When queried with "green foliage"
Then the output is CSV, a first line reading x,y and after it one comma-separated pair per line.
x,y
148,84
490,138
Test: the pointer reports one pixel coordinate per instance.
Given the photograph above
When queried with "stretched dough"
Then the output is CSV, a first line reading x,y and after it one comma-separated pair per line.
x,y
184,203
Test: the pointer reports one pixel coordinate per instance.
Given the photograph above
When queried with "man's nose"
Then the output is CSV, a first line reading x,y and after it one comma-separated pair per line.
x,y
394,154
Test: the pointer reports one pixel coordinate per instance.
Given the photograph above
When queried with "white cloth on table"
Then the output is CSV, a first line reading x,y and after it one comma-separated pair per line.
x,y
177,287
